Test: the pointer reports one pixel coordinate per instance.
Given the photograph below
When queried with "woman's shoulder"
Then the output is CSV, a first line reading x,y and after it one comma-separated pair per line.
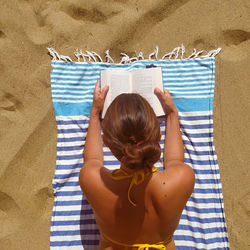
x,y
175,184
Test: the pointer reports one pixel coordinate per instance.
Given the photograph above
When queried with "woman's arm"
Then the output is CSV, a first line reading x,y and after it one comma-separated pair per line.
x,y
173,147
93,146
93,152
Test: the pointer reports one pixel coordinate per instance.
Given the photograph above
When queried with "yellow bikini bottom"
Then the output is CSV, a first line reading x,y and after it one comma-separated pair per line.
x,y
159,245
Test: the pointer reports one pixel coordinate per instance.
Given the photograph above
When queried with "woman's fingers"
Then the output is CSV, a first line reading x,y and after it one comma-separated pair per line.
x,y
97,86
165,100
161,95
158,93
104,91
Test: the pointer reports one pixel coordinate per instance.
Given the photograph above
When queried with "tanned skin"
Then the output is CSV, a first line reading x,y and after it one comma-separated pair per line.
x,y
160,199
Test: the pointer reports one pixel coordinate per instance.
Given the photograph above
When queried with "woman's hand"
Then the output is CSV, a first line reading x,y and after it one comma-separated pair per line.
x,y
99,98
166,100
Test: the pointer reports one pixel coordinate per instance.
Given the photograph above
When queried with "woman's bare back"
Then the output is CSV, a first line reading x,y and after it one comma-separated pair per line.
x,y
159,200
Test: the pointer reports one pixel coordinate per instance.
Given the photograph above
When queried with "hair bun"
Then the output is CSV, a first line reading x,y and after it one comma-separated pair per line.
x,y
144,155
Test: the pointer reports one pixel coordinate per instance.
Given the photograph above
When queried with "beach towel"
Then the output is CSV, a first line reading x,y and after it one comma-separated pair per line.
x,y
191,82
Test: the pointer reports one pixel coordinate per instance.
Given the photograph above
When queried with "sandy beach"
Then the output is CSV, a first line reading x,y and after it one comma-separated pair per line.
x,y
28,134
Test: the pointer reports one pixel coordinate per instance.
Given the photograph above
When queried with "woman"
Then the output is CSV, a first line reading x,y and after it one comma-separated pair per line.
x,y
136,207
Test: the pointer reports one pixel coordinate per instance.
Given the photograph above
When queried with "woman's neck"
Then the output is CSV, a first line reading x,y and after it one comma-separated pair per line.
x,y
129,170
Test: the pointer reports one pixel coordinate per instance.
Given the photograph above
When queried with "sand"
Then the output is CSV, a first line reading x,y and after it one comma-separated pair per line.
x,y
28,132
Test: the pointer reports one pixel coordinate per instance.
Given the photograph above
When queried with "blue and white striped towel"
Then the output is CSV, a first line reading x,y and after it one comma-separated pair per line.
x,y
191,84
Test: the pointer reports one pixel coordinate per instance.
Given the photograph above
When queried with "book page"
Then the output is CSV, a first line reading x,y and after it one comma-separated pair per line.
x,y
119,82
143,85
144,81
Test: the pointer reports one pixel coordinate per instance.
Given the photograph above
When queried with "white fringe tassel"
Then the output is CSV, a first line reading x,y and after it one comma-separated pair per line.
x,y
94,57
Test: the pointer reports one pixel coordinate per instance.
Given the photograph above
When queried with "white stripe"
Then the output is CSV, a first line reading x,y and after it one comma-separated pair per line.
x,y
72,101
186,76
200,245
204,205
70,198
73,237
196,113
200,225
176,84
71,152
72,247
195,122
195,131
71,91
70,118
72,217
75,86
69,162
193,92
177,68
187,87
199,149
79,66
198,157
208,176
193,139
69,188
192,97
71,144
202,186
73,96
204,167
205,196
71,135
73,227
73,76
73,126
206,236
77,80
72,208
65,172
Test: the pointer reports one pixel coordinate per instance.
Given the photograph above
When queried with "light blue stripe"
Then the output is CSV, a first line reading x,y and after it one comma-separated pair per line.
x,y
182,104
80,80
61,84
193,90
193,104
72,109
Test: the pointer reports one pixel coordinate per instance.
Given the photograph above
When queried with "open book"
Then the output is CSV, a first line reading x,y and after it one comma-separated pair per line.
x,y
140,81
